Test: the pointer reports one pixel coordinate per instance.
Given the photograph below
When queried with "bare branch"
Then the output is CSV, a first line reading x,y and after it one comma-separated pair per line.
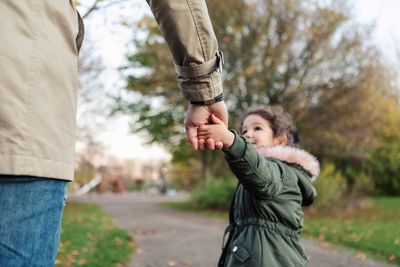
x,y
96,6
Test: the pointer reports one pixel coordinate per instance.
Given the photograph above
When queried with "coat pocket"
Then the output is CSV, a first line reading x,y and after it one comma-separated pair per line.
x,y
240,253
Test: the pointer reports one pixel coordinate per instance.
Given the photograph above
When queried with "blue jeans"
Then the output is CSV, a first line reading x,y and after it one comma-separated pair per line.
x,y
30,220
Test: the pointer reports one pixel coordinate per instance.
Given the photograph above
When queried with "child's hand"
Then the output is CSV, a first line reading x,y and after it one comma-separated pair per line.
x,y
216,131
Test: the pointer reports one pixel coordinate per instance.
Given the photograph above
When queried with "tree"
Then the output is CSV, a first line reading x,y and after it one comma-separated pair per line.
x,y
306,56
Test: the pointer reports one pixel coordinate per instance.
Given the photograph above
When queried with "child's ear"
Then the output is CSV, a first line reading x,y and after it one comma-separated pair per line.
x,y
280,140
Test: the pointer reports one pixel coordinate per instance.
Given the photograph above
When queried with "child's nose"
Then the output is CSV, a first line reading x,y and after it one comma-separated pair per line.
x,y
247,134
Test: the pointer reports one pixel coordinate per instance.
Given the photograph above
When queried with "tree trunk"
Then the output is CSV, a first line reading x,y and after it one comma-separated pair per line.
x,y
205,166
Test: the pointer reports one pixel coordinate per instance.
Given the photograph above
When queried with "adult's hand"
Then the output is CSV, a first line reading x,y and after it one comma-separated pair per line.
x,y
198,115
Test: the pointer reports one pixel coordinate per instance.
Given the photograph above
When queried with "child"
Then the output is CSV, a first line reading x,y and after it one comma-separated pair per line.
x,y
275,178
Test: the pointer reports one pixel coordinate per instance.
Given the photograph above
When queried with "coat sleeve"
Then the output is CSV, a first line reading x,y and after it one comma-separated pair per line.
x,y
260,176
188,31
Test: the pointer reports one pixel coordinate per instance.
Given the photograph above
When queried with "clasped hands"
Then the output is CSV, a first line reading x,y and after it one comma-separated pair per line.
x,y
197,117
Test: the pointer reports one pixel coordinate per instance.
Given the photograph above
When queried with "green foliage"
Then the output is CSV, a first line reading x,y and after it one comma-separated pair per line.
x,y
383,162
214,194
363,185
90,238
186,168
385,167
373,229
160,123
190,167
134,185
330,186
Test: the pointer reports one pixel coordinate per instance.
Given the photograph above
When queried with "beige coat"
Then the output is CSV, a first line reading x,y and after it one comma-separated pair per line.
x,y
38,77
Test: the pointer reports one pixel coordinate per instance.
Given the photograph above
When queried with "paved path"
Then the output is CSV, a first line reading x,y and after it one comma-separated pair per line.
x,y
167,237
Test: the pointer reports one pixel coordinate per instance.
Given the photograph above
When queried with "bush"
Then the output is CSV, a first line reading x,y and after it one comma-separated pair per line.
x,y
385,168
215,194
363,185
331,187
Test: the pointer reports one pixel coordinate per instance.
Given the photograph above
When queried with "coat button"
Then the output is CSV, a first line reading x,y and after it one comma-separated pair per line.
x,y
235,248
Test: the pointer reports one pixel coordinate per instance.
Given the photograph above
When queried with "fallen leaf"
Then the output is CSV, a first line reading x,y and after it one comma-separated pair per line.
x,y
321,237
361,256
74,253
171,263
82,261
325,245
132,243
185,262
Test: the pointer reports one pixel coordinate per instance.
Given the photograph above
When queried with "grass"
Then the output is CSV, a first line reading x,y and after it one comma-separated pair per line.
x,y
90,238
373,230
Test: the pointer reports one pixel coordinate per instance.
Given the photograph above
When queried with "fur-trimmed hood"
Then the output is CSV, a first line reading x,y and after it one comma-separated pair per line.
x,y
293,155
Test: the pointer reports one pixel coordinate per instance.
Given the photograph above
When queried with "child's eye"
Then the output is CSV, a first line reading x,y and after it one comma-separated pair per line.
x,y
244,132
258,128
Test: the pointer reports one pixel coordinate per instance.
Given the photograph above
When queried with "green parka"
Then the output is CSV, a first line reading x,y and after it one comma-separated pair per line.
x,y
266,215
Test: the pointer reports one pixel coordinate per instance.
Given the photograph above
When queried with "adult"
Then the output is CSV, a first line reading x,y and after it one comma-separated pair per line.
x,y
38,91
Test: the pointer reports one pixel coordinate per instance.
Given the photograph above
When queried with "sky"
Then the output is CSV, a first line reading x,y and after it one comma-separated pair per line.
x,y
385,15
112,43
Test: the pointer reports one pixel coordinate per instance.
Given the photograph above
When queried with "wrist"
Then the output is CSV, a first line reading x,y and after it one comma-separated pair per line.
x,y
229,139
214,100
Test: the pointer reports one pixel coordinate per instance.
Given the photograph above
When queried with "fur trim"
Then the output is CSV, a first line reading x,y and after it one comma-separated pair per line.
x,y
293,155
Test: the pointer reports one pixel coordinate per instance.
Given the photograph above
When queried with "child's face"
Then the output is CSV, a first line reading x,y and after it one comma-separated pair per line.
x,y
257,131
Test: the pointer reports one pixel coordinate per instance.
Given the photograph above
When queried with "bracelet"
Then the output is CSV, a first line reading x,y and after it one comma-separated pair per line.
x,y
216,99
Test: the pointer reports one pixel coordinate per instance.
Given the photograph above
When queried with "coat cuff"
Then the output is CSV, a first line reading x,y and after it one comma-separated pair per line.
x,y
202,89
202,82
238,148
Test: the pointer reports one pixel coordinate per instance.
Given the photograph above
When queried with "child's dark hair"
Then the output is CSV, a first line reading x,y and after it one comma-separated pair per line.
x,y
280,122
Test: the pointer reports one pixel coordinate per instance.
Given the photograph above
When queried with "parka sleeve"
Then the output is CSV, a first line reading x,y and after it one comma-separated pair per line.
x,y
188,31
260,176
